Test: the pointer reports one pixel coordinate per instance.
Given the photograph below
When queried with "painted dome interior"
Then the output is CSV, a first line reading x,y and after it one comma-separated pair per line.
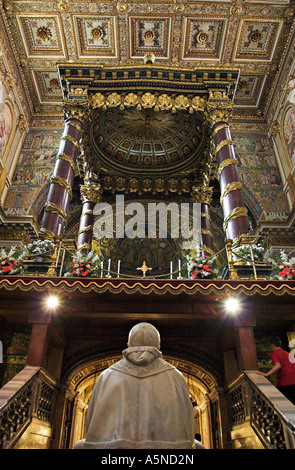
x,y
145,141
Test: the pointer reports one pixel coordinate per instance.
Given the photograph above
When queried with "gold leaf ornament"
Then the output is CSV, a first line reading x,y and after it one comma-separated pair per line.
x,y
98,100
131,100
113,100
199,103
165,102
181,102
148,100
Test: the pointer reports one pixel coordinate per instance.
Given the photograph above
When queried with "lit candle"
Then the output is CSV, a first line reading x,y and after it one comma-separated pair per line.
x,y
101,269
171,269
119,262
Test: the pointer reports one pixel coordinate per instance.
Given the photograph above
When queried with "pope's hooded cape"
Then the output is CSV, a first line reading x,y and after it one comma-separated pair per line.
x,y
140,402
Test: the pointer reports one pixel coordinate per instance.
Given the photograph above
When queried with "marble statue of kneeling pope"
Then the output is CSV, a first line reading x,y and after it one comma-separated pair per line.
x,y
140,402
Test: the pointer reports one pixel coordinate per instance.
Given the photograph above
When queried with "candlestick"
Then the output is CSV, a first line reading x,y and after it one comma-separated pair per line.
x,y
171,269
109,268
179,269
101,269
119,263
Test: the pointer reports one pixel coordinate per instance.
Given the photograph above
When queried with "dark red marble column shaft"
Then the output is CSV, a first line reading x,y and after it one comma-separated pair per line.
x,y
84,240
229,174
59,196
206,230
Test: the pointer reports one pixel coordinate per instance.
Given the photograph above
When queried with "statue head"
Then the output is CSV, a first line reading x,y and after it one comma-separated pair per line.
x,y
144,334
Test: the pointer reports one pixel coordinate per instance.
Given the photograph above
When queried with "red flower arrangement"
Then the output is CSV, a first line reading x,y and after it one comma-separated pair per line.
x,y
10,266
286,272
201,268
84,265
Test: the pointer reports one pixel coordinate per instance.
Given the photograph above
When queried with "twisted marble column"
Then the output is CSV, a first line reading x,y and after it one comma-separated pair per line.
x,y
90,195
60,191
203,195
234,209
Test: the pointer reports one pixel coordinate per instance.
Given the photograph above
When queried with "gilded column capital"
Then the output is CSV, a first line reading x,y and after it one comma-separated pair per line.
x,y
90,192
76,110
218,111
202,194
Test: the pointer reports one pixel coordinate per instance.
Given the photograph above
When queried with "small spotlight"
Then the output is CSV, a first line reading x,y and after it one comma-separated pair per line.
x,y
232,305
52,302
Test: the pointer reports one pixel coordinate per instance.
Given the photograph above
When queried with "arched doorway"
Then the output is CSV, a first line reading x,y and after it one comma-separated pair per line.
x,y
202,385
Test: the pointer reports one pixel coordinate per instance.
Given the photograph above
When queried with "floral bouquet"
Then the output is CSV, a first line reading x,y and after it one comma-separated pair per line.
x,y
10,261
84,265
283,268
201,267
39,248
244,253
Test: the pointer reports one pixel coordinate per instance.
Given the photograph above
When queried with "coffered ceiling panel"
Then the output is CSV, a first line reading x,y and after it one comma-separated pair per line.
x,y
47,86
257,40
249,90
96,37
150,35
254,36
203,38
42,36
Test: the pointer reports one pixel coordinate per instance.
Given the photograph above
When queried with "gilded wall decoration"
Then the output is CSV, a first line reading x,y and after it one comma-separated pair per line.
x,y
96,37
150,35
203,38
289,131
34,168
42,35
259,171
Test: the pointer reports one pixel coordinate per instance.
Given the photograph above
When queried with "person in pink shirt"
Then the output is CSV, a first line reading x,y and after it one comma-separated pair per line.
x,y
283,367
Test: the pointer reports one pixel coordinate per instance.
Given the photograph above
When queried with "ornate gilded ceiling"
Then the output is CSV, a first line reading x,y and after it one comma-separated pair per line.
x,y
252,36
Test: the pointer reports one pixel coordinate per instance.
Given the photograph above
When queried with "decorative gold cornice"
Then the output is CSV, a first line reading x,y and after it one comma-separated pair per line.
x,y
72,140
55,179
230,187
55,209
68,159
234,214
222,144
85,229
224,164
148,100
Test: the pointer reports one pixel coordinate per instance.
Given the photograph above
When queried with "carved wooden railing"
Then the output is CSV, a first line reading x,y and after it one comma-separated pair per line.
x,y
31,393
271,415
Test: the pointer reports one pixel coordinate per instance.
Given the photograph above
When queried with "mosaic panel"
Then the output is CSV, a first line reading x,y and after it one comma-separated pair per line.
x,y
204,38
289,132
259,172
41,35
257,39
48,86
150,35
34,168
249,90
96,36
